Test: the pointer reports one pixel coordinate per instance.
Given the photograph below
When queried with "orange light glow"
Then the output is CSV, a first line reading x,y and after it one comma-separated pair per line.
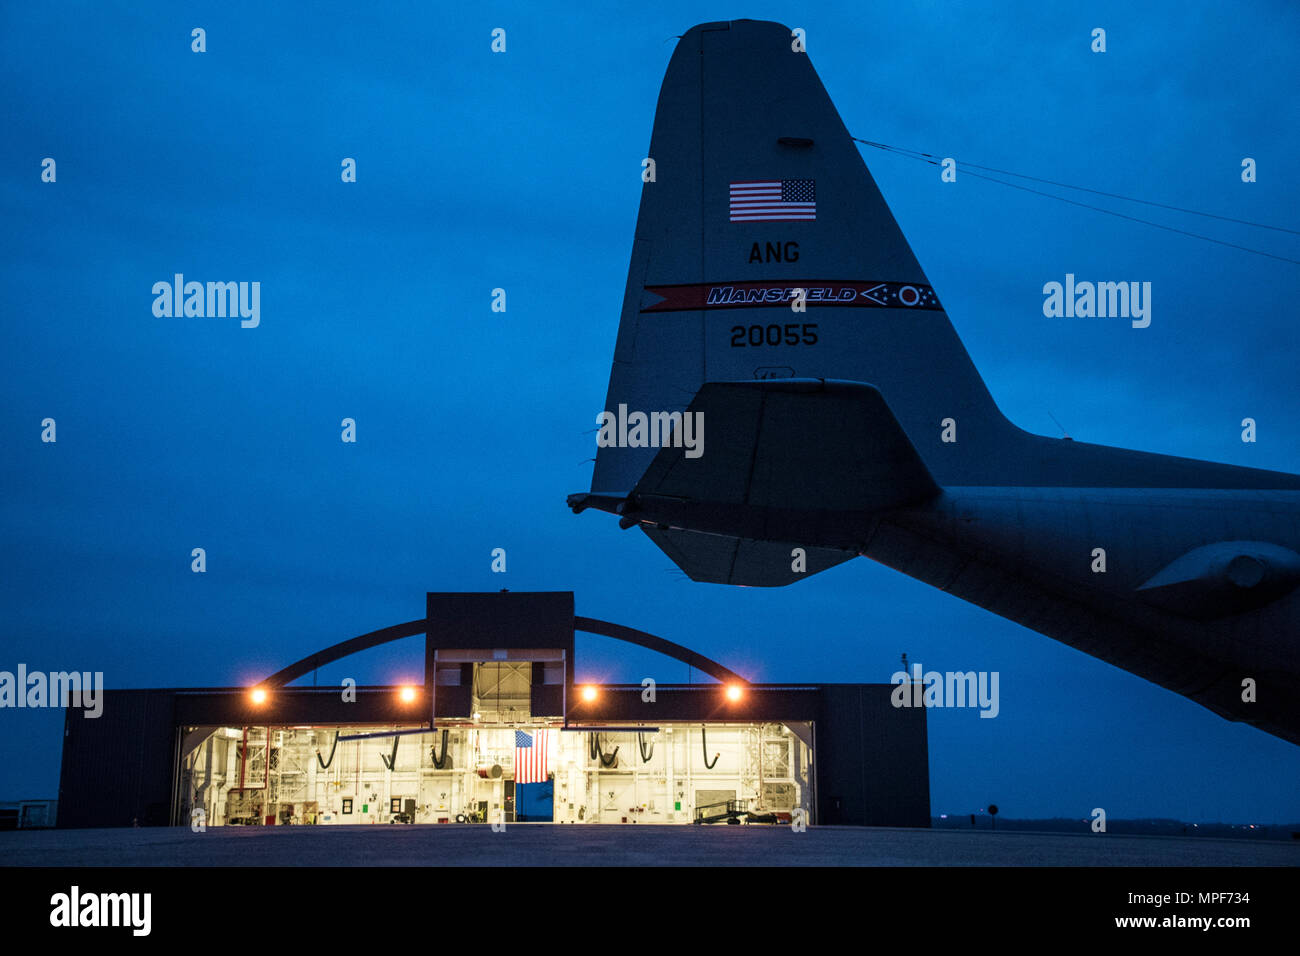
x,y
589,693
734,692
258,695
407,695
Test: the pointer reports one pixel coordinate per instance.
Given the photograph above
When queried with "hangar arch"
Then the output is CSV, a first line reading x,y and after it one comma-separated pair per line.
x,y
588,625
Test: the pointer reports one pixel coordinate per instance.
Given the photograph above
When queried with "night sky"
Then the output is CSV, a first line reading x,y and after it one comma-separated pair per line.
x,y
521,170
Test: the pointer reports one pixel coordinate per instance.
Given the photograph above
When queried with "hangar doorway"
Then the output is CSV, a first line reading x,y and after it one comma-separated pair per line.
x,y
536,772
535,802
501,691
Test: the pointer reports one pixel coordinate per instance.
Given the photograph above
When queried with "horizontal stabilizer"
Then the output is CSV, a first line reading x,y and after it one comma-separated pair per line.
x,y
719,559
802,443
783,460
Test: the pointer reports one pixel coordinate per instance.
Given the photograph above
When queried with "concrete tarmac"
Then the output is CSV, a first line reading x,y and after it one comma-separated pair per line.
x,y
641,845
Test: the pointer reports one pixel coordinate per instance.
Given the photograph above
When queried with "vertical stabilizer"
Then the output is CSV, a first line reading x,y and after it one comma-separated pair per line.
x,y
759,191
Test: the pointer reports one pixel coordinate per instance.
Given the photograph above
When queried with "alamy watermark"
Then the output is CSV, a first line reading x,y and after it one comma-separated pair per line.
x,y
213,300
653,430
949,689
55,689
76,908
1121,300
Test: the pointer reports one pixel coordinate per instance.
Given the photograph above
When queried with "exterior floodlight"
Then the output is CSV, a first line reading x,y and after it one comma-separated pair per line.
x,y
258,695
589,693
734,692
407,694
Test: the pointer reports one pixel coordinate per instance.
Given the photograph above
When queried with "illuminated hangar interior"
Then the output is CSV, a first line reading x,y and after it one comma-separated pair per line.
x,y
498,732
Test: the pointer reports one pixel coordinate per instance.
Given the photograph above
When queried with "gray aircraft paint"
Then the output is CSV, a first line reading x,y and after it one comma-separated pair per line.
x,y
843,454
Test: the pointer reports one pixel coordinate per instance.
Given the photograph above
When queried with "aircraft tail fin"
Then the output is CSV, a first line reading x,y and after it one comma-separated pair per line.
x,y
758,191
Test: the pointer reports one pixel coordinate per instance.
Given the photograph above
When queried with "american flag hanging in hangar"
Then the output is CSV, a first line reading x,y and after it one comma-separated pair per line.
x,y
530,756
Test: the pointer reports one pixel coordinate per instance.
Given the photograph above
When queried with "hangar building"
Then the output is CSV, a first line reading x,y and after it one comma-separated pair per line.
x,y
498,731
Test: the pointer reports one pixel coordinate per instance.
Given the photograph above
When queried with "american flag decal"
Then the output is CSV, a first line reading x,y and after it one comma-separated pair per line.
x,y
774,200
530,757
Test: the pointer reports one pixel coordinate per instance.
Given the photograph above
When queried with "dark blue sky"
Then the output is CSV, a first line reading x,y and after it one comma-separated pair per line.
x,y
522,171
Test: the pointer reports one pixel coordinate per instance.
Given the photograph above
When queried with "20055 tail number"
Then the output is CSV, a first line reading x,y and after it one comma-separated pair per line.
x,y
755,336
